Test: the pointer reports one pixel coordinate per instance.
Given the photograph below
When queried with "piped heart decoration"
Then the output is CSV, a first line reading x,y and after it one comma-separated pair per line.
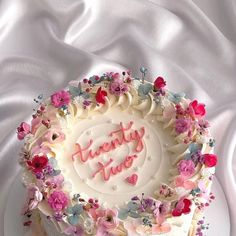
x,y
132,179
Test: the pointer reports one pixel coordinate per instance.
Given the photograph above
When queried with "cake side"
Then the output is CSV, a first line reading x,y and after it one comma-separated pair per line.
x,y
64,191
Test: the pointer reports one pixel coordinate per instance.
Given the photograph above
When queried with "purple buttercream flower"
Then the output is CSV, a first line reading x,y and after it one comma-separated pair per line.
x,y
40,175
58,216
197,157
186,168
48,170
182,125
148,202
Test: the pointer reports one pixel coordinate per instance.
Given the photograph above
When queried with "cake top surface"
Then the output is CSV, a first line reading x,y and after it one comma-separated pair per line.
x,y
114,153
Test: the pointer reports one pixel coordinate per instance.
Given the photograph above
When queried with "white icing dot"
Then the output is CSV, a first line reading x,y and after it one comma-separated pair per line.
x,y
89,132
153,177
149,158
166,144
152,121
131,112
135,168
148,136
109,121
84,180
114,187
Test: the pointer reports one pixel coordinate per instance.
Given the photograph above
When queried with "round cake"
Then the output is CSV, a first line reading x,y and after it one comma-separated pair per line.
x,y
117,155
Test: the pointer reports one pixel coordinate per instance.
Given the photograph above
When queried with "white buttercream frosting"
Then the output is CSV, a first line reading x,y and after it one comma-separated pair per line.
x,y
154,165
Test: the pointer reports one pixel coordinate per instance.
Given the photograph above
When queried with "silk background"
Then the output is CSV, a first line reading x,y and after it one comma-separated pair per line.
x,y
46,43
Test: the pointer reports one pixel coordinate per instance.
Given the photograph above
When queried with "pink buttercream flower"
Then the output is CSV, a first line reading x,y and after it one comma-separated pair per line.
x,y
55,181
107,222
34,196
40,149
161,209
182,125
60,98
74,230
35,123
118,87
186,168
181,181
197,109
161,229
58,200
54,136
113,75
23,130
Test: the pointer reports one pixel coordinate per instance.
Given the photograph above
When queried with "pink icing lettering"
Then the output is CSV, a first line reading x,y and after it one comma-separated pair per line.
x,y
134,136
106,172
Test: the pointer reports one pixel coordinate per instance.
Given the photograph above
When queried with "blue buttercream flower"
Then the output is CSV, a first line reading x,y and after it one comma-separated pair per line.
x,y
74,213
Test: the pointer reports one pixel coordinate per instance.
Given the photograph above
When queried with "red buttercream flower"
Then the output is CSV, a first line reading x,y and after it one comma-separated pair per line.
x,y
100,96
38,163
182,207
210,160
197,109
159,83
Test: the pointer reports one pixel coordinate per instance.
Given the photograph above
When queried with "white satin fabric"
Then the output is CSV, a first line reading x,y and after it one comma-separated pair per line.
x,y
46,43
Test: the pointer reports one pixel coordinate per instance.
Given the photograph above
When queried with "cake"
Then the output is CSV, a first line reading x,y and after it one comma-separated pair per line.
x,y
117,155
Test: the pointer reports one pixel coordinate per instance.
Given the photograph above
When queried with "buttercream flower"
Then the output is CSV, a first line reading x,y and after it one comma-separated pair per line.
x,y
159,83
182,125
34,196
38,163
181,181
113,75
197,109
186,168
100,96
58,200
204,189
40,149
118,87
197,157
210,160
60,98
161,229
54,136
23,130
131,225
35,123
108,221
55,181
74,213
74,230
161,209
182,207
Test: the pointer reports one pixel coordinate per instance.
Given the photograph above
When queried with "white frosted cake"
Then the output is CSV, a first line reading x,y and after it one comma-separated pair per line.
x,y
117,155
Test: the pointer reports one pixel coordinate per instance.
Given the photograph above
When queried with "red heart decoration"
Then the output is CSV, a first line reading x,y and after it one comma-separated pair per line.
x,y
132,179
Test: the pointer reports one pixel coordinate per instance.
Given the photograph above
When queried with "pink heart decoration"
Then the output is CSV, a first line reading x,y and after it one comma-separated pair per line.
x,y
132,179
